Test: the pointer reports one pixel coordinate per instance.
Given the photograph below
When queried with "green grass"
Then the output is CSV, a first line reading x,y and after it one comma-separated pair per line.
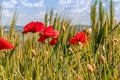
x,y
31,60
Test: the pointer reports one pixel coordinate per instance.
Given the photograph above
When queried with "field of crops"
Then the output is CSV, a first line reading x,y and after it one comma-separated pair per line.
x,y
55,50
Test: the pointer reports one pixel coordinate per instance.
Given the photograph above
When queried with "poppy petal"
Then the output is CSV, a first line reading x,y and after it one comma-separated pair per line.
x,y
29,27
48,31
72,41
81,37
4,44
54,41
42,38
39,26
55,33
33,27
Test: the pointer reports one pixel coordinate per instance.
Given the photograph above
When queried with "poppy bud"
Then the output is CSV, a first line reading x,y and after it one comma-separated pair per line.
x,y
89,67
102,59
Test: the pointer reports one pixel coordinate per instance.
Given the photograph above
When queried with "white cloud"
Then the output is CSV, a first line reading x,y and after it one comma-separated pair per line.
x,y
26,3
117,13
78,10
64,2
9,4
6,13
75,10
116,0
6,17
117,10
26,18
39,4
76,7
14,2
40,15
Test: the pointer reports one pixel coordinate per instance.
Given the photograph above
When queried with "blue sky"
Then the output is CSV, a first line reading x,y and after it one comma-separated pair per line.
x,y
33,10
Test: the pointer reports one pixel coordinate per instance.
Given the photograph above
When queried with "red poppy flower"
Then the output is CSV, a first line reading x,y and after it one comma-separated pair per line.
x,y
81,37
49,32
72,41
48,29
33,27
42,38
53,41
55,33
4,44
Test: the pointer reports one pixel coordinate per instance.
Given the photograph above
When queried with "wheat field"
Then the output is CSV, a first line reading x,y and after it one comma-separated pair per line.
x,y
98,59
